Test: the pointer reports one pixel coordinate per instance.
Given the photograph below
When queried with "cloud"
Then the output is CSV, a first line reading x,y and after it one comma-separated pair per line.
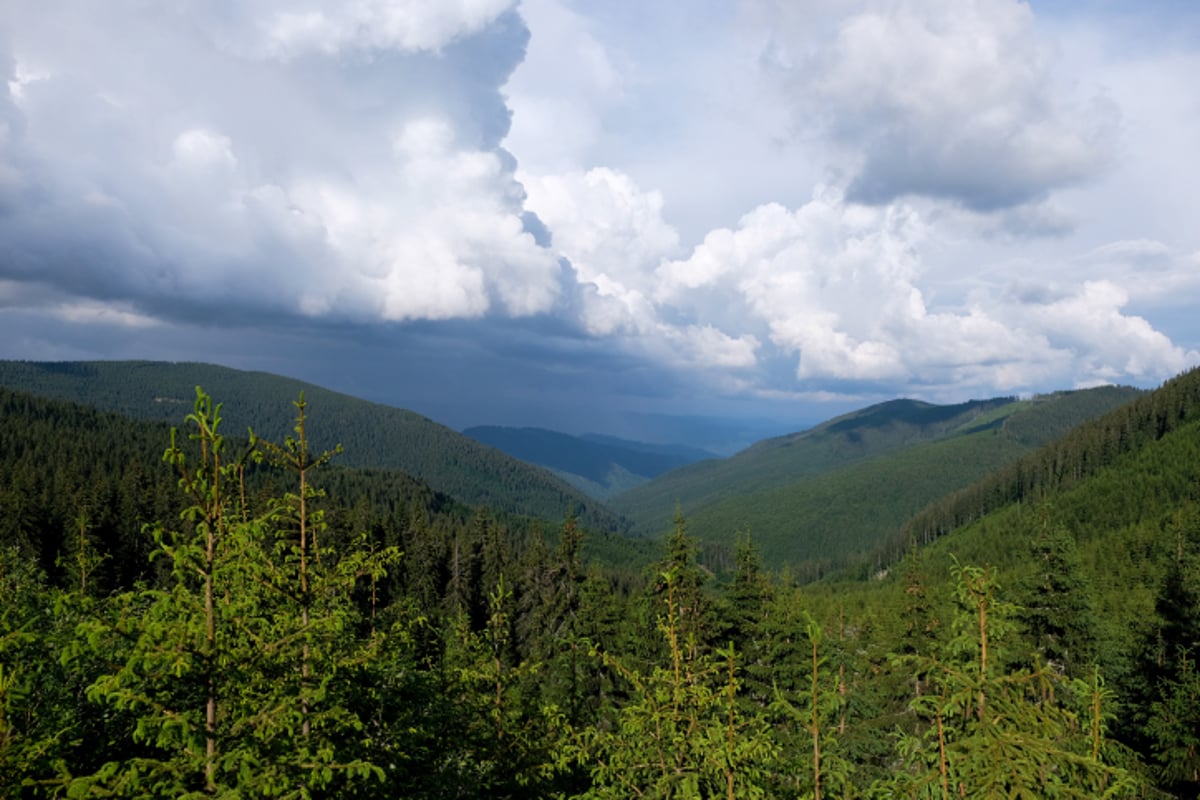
x,y
612,229
613,238
1031,220
562,91
618,197
834,295
938,98
710,347
290,29
843,289
328,161
836,286
1148,272
1108,344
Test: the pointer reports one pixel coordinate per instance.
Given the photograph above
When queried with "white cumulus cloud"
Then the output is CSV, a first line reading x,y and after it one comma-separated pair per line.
x,y
950,99
287,29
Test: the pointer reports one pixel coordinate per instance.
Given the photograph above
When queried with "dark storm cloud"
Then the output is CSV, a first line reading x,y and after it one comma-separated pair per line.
x,y
193,161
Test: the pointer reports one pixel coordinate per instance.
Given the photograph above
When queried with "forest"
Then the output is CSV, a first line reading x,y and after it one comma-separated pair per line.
x,y
203,612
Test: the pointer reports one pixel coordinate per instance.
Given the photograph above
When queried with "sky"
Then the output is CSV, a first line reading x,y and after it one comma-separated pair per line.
x,y
607,216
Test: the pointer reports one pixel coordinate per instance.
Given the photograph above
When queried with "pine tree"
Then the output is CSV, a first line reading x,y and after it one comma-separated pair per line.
x,y
1056,603
505,737
748,595
228,668
1172,687
38,722
682,732
687,585
993,732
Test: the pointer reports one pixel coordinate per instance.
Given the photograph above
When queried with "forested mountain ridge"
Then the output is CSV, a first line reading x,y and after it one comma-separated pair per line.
x,y
372,435
285,643
1094,540
64,467
684,451
68,470
599,465
827,495
1080,453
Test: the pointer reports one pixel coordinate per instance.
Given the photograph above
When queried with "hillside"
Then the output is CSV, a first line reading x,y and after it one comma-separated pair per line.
x,y
1096,537
1085,451
599,465
1059,640
62,463
828,494
372,435
1129,520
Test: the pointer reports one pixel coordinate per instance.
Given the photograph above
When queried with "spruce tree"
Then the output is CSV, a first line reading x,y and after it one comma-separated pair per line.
x,y
228,668
1056,603
991,731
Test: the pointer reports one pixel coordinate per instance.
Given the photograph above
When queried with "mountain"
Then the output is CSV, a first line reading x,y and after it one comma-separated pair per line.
x,y
828,494
723,436
1089,449
1051,610
1091,544
686,453
1123,490
372,435
64,465
598,465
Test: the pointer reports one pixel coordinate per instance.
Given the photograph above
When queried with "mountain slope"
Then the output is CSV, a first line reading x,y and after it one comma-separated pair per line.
x,y
1084,451
373,435
1125,489
598,465
824,495
779,461
1095,538
684,452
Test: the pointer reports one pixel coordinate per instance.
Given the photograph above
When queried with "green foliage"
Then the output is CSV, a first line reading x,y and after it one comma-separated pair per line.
x,y
828,772
63,467
1057,609
993,732
227,669
782,461
493,660
374,435
681,734
1085,451
508,740
1171,694
824,498
1174,726
36,724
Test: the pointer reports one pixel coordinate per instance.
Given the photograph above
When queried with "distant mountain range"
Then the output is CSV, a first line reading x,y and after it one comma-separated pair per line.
x,y
599,465
371,434
818,499
829,494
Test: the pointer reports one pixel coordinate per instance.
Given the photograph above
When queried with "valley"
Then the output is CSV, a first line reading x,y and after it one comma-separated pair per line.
x,y
828,569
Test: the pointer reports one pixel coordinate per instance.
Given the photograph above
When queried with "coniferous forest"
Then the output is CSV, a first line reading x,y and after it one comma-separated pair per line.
x,y
203,612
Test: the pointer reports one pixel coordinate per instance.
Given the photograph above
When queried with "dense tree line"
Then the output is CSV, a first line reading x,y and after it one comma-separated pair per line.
x,y
826,498
373,435
285,640
1082,452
